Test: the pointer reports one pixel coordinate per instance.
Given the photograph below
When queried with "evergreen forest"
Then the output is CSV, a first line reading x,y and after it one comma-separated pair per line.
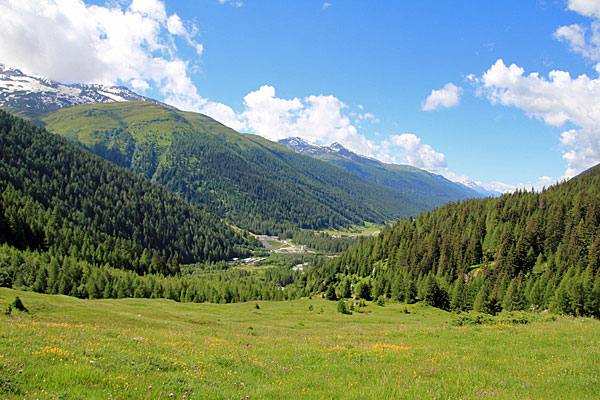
x,y
521,251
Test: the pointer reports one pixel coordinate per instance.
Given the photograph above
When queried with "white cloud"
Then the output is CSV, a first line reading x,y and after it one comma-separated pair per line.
x,y
446,97
224,114
326,5
67,40
419,154
588,8
556,100
407,148
232,3
544,181
154,9
581,40
318,118
139,85
175,25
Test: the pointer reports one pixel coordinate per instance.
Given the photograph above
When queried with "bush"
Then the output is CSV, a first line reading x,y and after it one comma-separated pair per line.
x,y
17,304
473,318
330,295
363,291
342,308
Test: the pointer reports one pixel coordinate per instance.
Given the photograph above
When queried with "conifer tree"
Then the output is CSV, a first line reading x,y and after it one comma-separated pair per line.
x,y
482,301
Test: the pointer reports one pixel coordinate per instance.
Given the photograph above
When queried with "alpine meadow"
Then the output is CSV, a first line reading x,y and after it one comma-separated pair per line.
x,y
241,199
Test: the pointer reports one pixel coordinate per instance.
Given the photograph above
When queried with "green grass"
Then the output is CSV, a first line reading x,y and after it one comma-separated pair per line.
x,y
100,349
368,229
276,244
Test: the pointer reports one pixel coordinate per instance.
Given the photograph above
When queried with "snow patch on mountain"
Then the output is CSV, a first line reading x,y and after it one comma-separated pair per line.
x,y
30,93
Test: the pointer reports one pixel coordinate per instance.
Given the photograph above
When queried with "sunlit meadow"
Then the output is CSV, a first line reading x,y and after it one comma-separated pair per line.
x,y
65,348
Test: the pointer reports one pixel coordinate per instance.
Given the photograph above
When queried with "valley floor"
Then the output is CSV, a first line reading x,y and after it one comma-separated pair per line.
x,y
66,348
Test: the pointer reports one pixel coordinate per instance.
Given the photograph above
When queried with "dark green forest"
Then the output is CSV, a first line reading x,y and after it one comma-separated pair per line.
x,y
55,195
524,250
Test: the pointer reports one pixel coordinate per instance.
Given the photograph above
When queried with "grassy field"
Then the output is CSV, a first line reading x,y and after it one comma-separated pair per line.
x,y
369,229
66,348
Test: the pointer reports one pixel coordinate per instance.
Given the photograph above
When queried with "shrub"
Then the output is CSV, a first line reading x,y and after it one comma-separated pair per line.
x,y
17,304
342,308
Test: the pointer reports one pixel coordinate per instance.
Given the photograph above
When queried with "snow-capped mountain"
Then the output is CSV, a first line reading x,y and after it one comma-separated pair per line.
x,y
480,189
309,148
305,147
29,94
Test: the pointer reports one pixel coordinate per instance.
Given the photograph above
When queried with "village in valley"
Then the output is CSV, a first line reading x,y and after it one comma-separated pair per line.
x,y
273,244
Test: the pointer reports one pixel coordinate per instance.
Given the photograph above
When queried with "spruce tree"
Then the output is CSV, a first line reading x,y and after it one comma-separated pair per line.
x,y
482,301
330,294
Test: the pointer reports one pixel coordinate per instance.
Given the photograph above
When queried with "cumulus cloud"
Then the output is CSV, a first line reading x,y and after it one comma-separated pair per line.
x,y
557,100
325,119
407,148
419,154
446,97
68,40
318,118
588,8
582,40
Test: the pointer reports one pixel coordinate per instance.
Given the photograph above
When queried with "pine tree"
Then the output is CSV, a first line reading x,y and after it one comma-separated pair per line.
x,y
398,287
482,301
457,301
346,288
431,291
363,291
411,291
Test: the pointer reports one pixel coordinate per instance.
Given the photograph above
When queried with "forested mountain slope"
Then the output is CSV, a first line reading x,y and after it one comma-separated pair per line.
x,y
54,195
432,190
521,250
252,182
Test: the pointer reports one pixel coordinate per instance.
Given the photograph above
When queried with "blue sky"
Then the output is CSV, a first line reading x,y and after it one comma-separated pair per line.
x,y
461,88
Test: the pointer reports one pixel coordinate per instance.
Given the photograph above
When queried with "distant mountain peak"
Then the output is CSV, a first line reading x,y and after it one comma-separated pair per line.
x,y
304,146
480,189
30,94
309,148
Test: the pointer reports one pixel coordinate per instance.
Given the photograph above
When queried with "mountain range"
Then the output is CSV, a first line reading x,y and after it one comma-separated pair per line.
x,y
249,181
432,189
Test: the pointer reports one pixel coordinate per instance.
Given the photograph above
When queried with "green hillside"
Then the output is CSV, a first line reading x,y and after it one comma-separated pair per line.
x,y
520,251
252,182
56,197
